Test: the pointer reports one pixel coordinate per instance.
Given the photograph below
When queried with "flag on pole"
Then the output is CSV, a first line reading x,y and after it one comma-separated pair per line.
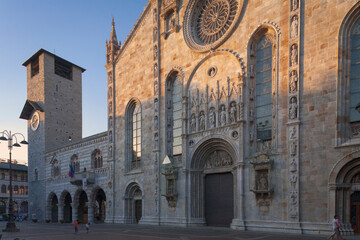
x,y
71,171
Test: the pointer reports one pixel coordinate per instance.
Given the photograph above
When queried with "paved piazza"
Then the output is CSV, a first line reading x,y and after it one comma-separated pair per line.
x,y
43,231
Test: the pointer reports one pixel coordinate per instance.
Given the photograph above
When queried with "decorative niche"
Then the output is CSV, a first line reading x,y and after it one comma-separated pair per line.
x,y
261,184
170,189
170,15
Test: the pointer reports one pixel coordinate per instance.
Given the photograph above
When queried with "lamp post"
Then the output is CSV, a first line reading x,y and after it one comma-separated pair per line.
x,y
7,136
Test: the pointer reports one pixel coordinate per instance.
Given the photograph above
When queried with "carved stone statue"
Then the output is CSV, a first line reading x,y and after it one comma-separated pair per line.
x,y
212,118
293,165
232,115
202,121
292,133
155,33
155,70
156,123
293,82
294,27
294,4
262,182
294,55
293,108
193,123
155,52
156,105
293,180
222,117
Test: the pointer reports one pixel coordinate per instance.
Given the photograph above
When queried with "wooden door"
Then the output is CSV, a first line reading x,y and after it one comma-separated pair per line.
x,y
138,210
219,199
355,212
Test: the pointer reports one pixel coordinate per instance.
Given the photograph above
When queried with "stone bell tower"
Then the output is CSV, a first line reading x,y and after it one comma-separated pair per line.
x,y
53,110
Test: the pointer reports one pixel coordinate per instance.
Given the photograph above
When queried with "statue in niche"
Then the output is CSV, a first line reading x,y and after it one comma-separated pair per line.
x,y
212,118
262,182
293,165
155,70
293,108
193,123
212,95
156,123
222,117
294,55
251,93
294,27
155,33
202,121
232,115
110,107
156,87
110,93
156,140
155,52
202,99
294,4
193,101
156,105
293,180
292,134
293,148
110,151
155,15
293,82
252,74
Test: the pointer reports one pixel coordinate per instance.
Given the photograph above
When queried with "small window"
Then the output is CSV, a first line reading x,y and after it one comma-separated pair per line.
x,y
3,189
15,177
16,190
26,190
63,68
35,67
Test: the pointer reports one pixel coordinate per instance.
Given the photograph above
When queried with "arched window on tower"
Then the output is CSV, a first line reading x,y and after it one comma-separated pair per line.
x,y
355,74
133,135
173,114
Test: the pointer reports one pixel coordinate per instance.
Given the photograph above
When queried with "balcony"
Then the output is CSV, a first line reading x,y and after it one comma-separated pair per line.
x,y
79,176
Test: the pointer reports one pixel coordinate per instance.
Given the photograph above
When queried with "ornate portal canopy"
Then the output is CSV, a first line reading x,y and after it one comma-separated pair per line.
x,y
208,23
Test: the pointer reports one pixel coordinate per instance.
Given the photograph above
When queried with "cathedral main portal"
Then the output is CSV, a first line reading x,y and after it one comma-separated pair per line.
x,y
219,199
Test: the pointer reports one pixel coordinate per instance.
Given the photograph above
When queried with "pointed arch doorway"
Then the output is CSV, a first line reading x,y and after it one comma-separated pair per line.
x,y
212,182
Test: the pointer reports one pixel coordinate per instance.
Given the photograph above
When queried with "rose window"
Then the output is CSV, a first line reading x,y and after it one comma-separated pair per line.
x,y
209,22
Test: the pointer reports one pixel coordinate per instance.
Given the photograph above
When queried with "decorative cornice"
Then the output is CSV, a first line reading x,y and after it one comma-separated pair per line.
x,y
101,137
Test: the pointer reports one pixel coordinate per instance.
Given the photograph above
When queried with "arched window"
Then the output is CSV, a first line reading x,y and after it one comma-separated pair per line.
x,y
55,168
3,189
26,190
9,189
133,135
263,88
355,73
75,163
348,115
174,111
15,177
22,190
262,96
16,189
96,159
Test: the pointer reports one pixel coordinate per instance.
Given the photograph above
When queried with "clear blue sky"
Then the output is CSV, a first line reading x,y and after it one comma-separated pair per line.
x,y
76,30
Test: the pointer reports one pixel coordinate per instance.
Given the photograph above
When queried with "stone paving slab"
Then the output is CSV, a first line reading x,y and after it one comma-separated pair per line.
x,y
44,231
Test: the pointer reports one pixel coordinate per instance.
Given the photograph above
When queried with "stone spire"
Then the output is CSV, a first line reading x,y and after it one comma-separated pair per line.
x,y
113,38
112,47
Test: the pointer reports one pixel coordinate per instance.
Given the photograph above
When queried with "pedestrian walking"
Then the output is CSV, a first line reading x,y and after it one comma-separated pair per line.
x,y
76,225
336,228
87,226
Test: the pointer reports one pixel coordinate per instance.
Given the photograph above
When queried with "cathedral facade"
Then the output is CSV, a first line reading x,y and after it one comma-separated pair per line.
x,y
231,113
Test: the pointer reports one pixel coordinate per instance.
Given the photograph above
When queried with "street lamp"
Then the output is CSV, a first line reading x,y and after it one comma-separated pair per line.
x,y
7,136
